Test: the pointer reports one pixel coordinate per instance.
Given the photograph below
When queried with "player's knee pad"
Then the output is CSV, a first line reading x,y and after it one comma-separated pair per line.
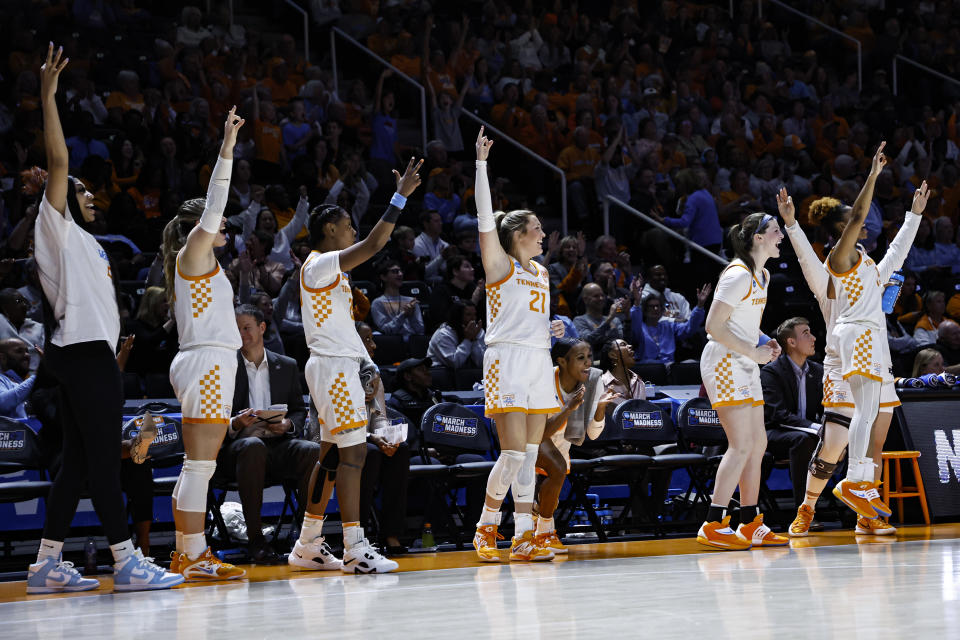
x,y
526,482
194,481
820,468
504,472
836,418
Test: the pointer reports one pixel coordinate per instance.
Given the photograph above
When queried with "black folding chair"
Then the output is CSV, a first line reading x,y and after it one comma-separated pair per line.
x,y
20,451
644,424
390,349
167,449
655,372
685,373
454,429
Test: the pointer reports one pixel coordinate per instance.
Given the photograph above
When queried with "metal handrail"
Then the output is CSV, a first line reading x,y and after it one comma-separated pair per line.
x,y
913,62
306,26
531,154
823,25
336,31
607,201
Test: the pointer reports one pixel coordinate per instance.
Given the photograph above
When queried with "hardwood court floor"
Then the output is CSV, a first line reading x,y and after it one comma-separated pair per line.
x,y
826,586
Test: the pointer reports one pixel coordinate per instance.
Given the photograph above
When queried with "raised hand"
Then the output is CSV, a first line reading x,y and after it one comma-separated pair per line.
x,y
50,72
410,180
483,145
785,207
879,160
636,290
553,242
230,128
703,294
920,197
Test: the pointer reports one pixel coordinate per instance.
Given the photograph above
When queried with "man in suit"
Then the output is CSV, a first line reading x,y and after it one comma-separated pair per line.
x,y
792,396
256,448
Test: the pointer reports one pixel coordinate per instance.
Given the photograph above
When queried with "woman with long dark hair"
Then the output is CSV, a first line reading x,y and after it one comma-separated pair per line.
x,y
731,377
83,325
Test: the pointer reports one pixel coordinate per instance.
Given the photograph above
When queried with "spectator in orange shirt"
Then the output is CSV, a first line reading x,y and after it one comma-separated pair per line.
x,y
268,137
827,115
406,59
128,96
282,88
579,162
540,135
765,137
508,116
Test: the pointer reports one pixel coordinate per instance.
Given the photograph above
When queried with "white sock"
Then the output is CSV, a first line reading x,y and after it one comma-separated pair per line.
x,y
522,522
49,549
489,516
312,528
352,534
121,551
544,525
194,544
179,541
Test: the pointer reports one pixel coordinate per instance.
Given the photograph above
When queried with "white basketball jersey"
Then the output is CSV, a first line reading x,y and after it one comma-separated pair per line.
x,y
518,307
203,306
326,306
830,311
747,305
859,293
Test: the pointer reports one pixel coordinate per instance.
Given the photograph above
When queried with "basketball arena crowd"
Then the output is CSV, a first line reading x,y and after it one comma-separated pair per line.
x,y
673,109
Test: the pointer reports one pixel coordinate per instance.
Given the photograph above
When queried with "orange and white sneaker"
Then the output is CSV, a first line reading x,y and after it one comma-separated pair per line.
x,y
760,534
721,536
175,562
800,526
874,527
208,567
878,505
527,548
854,495
551,540
485,542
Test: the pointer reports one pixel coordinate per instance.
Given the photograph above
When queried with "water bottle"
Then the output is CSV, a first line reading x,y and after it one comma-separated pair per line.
x,y
892,292
932,380
948,379
90,557
427,540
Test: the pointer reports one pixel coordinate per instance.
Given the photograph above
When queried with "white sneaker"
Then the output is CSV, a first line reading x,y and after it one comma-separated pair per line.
x,y
51,575
137,573
316,555
363,558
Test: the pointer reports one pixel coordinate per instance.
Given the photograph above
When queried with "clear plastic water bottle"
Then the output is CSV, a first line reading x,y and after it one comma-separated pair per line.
x,y
89,557
427,540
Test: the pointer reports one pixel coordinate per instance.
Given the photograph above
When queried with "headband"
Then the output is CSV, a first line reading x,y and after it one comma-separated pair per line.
x,y
766,218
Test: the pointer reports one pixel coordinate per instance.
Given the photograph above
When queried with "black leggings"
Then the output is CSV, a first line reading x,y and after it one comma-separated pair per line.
x,y
91,403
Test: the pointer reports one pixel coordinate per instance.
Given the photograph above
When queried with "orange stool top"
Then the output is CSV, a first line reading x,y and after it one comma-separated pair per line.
x,y
887,455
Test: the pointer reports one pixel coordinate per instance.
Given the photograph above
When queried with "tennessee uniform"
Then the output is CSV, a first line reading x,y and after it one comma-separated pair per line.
x,y
202,376
732,378
517,370
336,350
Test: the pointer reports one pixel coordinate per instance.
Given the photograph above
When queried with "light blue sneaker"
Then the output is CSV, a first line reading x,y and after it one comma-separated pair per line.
x,y
51,575
137,573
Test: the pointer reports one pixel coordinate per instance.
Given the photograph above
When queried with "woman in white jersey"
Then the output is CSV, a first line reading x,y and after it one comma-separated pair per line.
x,y
83,325
731,376
203,372
579,388
333,375
837,399
517,372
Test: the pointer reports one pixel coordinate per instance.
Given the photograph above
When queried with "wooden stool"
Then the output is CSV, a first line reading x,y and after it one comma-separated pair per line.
x,y
899,491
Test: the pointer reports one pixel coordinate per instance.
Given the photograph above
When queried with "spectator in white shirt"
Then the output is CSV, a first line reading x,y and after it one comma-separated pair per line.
x,y
393,313
675,307
458,342
14,323
429,244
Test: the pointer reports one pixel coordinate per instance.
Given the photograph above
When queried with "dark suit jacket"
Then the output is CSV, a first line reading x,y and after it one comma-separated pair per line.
x,y
781,394
284,388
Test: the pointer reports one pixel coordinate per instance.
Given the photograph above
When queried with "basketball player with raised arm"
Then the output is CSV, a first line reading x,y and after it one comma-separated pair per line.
x,y
518,376
333,376
203,371
731,376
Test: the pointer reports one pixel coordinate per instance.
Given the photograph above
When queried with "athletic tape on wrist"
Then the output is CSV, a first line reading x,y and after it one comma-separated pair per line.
x,y
398,201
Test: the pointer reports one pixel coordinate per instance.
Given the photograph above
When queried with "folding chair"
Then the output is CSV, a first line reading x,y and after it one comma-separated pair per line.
x,y
454,429
390,349
166,450
20,451
655,372
644,424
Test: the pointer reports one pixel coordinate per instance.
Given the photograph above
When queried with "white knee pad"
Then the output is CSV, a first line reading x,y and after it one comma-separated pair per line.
x,y
504,472
526,482
193,483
